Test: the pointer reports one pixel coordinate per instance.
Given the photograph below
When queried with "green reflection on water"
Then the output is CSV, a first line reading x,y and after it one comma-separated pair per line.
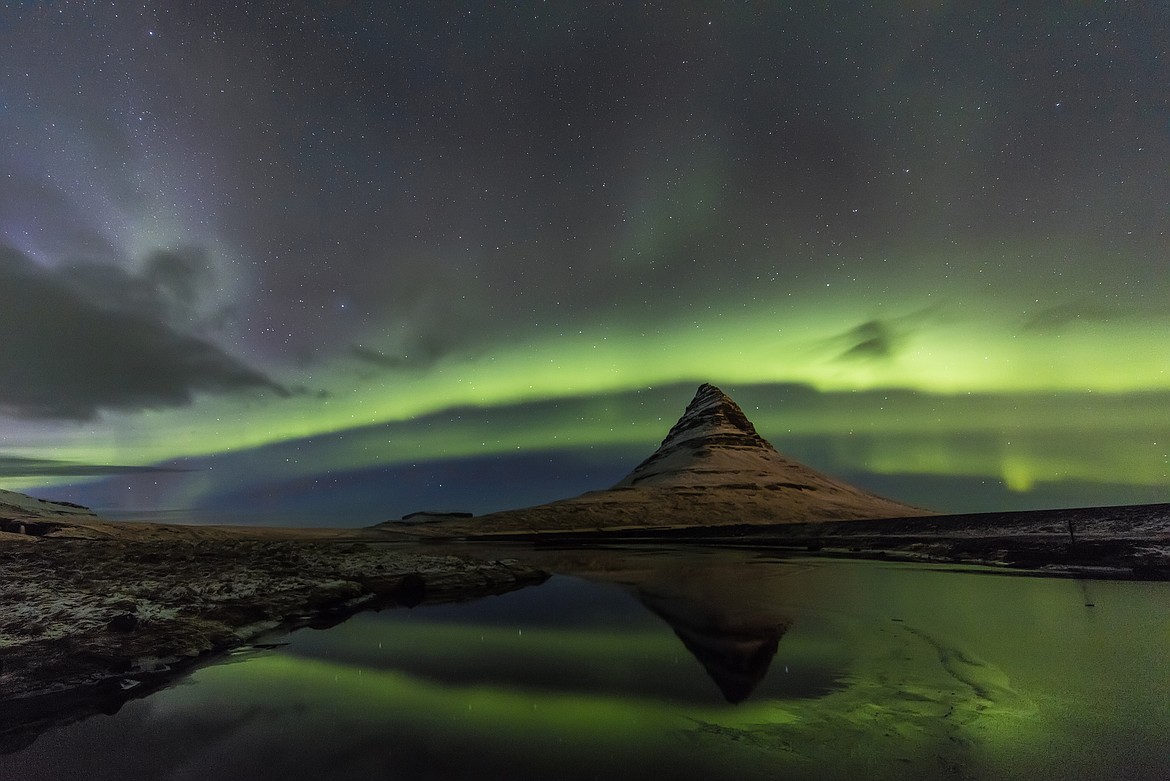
x,y
936,674
482,697
901,708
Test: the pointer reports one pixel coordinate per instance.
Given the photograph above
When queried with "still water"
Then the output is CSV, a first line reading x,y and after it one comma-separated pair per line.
x,y
677,663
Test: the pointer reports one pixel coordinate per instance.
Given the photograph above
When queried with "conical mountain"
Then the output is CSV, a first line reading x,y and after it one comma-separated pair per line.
x,y
713,469
712,437
714,445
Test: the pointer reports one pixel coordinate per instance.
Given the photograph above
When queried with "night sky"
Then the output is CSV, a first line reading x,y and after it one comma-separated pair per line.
x,y
334,262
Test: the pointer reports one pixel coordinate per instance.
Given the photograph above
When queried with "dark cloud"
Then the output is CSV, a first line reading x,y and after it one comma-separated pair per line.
x,y
424,354
881,339
15,466
166,288
177,273
1069,313
304,390
378,358
872,340
68,354
432,339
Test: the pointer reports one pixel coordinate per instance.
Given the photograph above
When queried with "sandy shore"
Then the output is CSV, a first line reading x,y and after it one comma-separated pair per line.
x,y
96,613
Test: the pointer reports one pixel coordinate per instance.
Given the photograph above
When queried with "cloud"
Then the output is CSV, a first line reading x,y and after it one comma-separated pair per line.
x,y
872,340
880,339
424,350
80,340
167,288
378,358
15,466
1069,313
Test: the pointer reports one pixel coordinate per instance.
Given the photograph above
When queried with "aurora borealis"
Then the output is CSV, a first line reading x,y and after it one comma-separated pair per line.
x,y
393,256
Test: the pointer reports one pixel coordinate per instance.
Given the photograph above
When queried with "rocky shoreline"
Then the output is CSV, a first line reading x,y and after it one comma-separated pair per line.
x,y
97,613
1126,542
90,623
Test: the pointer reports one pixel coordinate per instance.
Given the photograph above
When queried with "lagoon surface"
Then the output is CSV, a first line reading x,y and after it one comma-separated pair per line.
x,y
676,662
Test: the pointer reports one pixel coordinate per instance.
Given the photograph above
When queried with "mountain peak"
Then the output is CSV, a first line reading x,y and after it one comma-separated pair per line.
x,y
712,427
713,415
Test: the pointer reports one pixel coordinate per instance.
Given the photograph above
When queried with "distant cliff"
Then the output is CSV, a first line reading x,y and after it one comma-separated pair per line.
x,y
21,514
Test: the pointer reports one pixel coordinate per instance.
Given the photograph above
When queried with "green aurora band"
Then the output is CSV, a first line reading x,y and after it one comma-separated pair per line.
x,y
962,390
947,223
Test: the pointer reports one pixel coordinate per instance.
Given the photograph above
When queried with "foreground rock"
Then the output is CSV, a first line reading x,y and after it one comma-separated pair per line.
x,y
712,469
90,622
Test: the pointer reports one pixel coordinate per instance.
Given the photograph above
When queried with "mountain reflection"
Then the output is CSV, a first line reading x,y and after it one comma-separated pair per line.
x,y
736,656
727,614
